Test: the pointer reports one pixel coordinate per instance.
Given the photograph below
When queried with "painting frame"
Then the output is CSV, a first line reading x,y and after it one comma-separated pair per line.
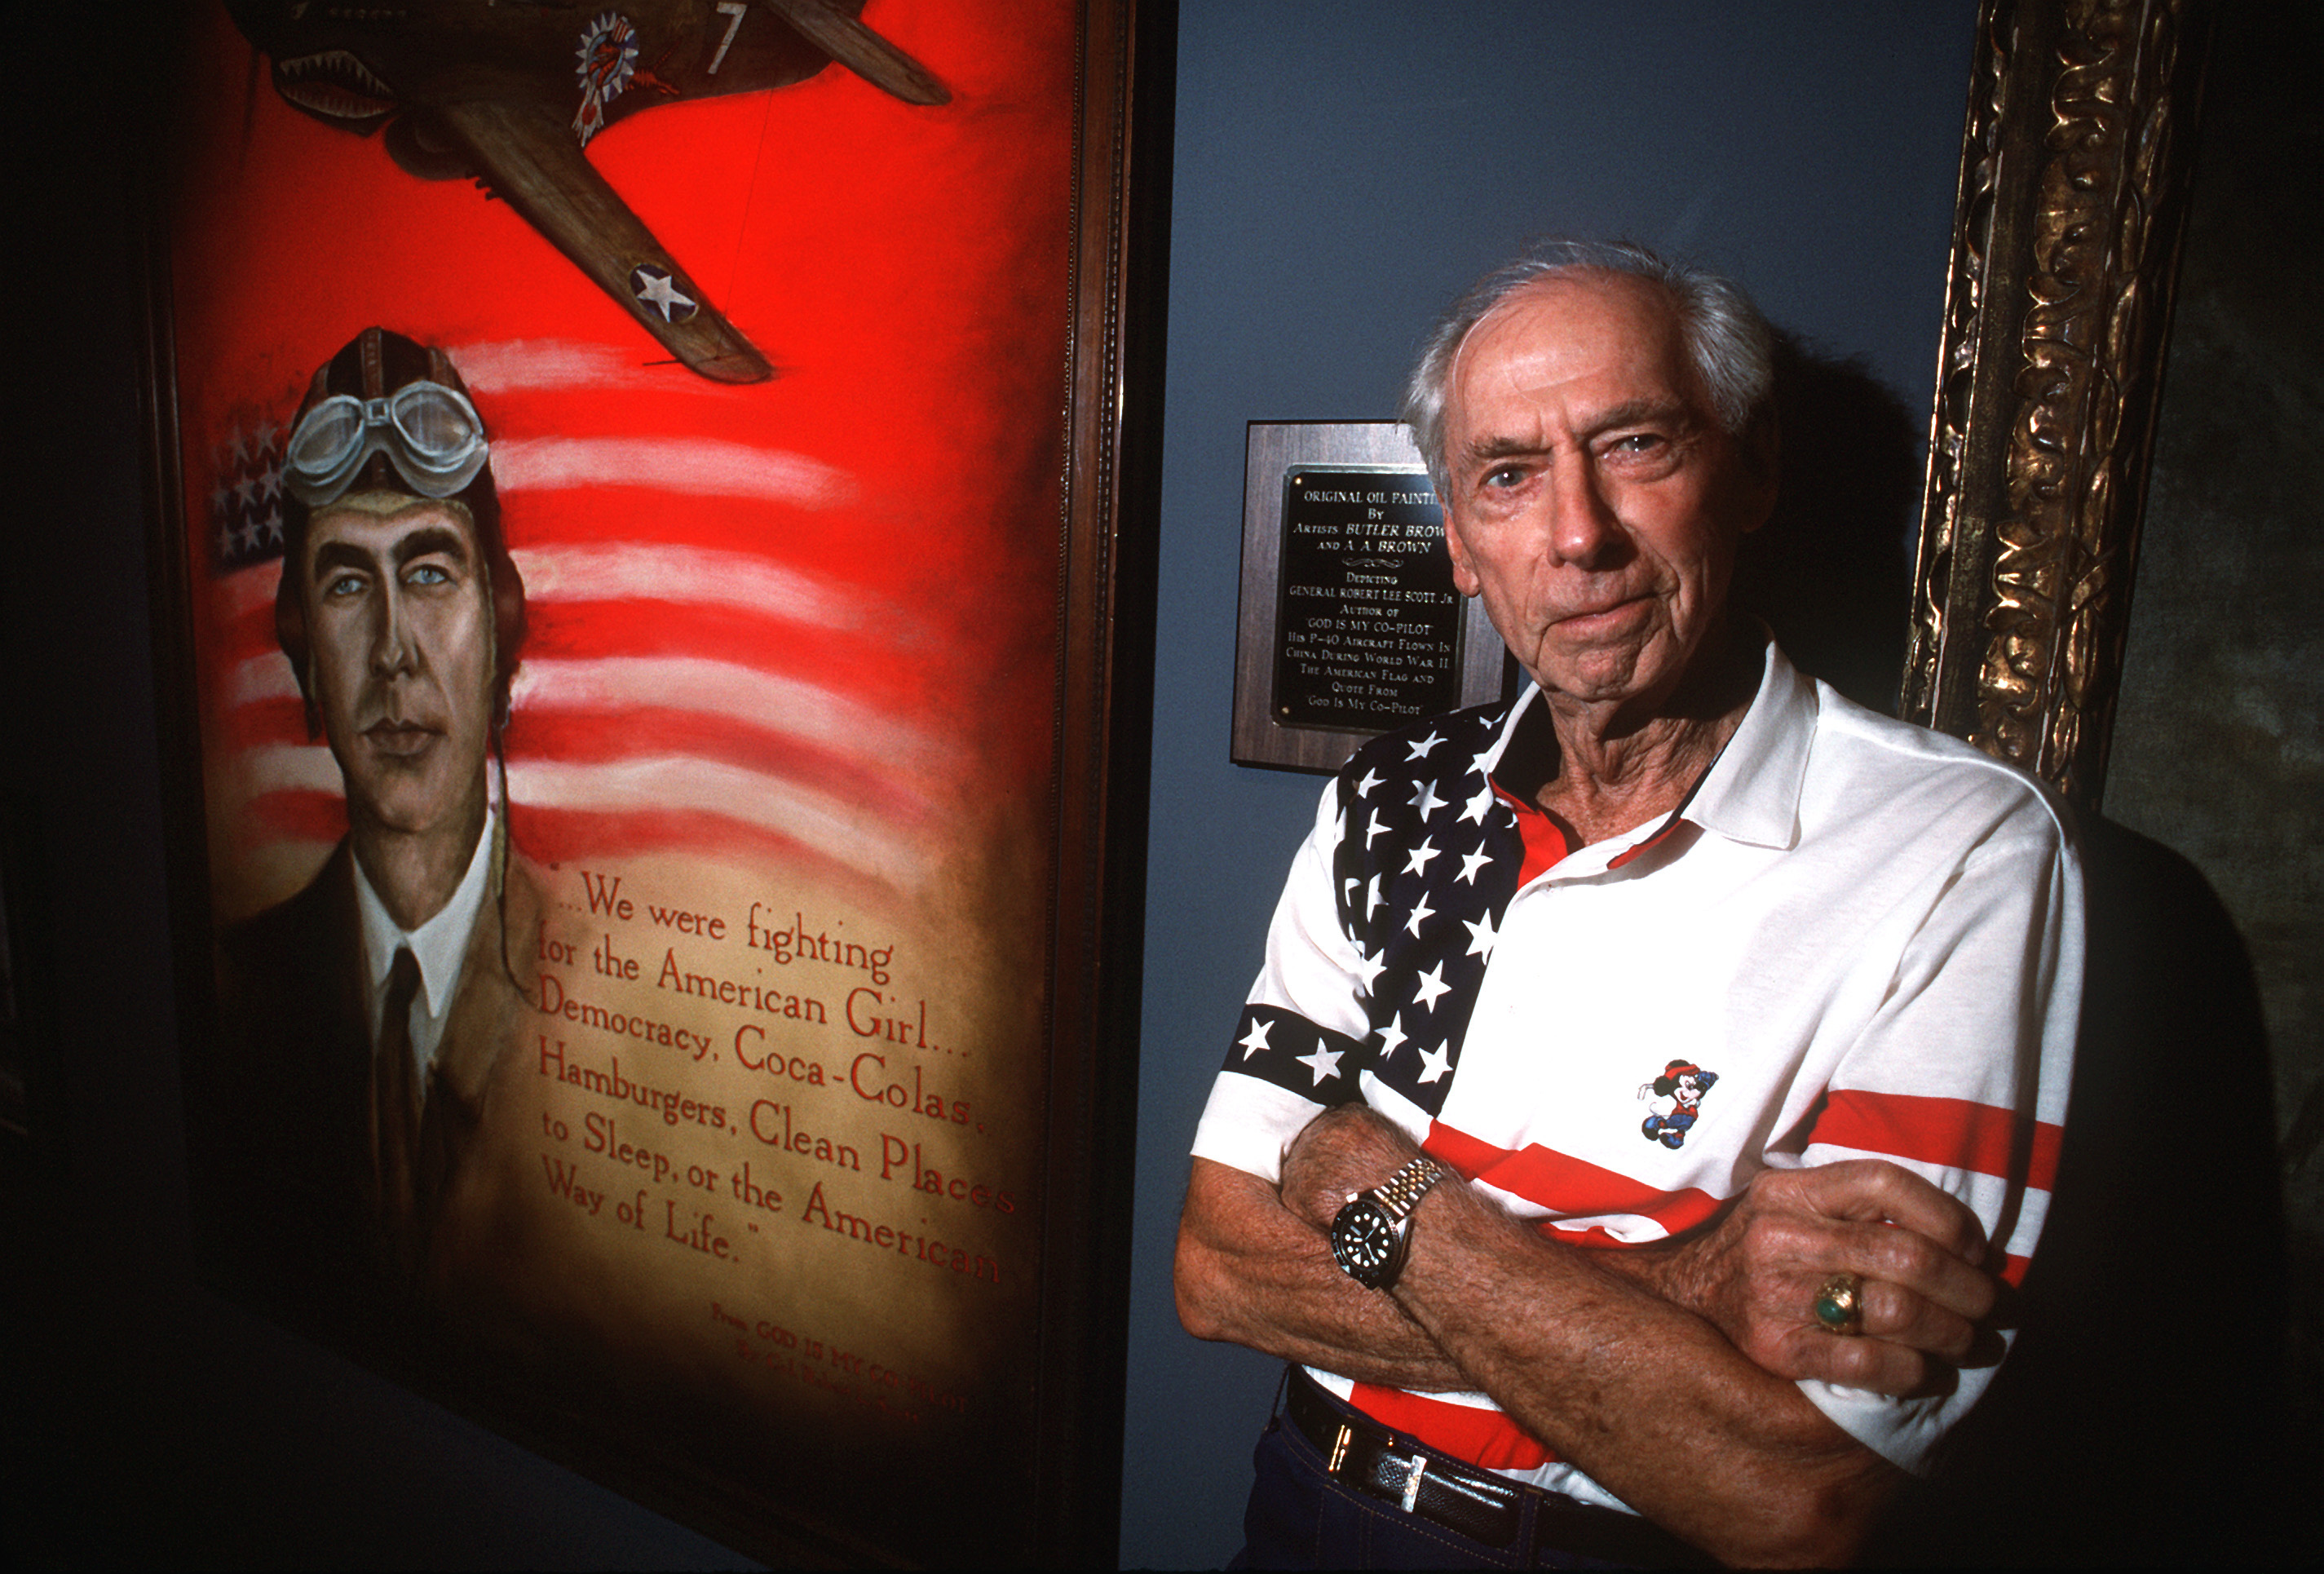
x,y
1103,547
2077,165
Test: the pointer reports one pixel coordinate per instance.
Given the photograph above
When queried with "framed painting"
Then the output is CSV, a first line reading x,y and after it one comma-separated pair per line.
x,y
644,600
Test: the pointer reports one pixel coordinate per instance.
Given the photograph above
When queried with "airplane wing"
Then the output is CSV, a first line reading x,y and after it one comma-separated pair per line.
x,y
860,51
529,159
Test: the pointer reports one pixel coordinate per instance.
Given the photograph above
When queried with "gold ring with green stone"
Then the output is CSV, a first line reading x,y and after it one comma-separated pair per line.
x,y
1839,1304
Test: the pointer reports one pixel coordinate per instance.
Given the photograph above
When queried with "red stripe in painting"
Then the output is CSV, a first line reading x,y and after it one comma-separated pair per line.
x,y
1951,1132
1567,1186
1484,1438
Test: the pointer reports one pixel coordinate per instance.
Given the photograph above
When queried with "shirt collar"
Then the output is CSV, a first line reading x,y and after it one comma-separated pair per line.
x,y
1751,793
439,944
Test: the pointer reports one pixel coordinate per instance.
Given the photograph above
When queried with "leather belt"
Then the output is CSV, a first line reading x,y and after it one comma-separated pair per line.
x,y
1485,1508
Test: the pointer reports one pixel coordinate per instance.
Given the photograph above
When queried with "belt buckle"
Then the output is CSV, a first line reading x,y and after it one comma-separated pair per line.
x,y
1340,1449
1419,1467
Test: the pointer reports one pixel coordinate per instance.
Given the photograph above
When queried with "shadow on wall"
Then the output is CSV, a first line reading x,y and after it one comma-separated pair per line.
x,y
1832,571
2140,1420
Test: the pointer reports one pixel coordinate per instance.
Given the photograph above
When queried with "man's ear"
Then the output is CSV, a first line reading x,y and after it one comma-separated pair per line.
x,y
1464,571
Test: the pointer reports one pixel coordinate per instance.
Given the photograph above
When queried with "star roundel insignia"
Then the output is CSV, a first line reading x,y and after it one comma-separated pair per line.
x,y
656,290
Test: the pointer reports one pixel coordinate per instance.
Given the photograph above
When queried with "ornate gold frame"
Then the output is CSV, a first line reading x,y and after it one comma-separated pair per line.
x,y
2076,162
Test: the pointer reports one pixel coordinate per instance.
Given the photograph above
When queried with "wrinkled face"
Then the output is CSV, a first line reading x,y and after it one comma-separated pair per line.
x,y
400,639
1594,500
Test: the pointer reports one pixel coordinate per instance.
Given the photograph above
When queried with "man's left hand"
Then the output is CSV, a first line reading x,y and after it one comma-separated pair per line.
x,y
1755,1276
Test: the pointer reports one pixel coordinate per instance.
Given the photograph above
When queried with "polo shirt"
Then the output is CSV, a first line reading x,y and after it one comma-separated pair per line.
x,y
1855,938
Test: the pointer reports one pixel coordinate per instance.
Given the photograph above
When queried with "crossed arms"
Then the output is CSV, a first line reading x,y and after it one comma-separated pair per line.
x,y
1667,1372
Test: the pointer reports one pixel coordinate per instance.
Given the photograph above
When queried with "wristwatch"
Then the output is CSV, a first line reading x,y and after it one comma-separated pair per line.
x,y
1373,1232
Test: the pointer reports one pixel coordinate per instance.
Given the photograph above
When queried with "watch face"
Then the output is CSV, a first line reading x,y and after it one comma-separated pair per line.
x,y
1364,1242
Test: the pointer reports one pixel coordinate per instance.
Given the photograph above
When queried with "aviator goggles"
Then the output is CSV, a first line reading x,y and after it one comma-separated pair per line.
x,y
431,433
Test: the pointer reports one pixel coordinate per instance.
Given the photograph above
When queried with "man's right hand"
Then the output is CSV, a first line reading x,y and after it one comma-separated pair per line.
x,y
1755,1276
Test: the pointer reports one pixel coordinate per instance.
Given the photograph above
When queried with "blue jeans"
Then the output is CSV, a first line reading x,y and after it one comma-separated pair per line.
x,y
1302,1517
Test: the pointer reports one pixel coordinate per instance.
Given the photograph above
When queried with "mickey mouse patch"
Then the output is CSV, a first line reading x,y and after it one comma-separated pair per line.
x,y
1677,1102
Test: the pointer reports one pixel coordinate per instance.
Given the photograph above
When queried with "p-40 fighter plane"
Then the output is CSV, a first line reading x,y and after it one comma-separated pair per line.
x,y
510,91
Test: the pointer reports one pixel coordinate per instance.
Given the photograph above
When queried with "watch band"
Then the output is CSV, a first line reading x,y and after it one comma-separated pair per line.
x,y
1402,1191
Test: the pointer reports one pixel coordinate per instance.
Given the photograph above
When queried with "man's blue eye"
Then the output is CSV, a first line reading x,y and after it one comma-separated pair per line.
x,y
345,585
427,574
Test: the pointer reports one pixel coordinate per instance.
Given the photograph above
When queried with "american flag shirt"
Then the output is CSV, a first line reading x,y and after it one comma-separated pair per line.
x,y
1855,939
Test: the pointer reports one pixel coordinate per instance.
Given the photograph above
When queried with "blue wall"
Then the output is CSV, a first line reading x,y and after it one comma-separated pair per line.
x,y
1343,170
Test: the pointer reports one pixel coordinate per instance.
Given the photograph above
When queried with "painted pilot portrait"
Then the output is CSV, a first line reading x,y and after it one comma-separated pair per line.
x,y
368,1013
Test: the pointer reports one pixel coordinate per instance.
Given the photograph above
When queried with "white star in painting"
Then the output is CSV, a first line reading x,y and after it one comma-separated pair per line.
x,y
275,526
1478,804
1373,898
1435,1063
1473,862
1420,914
1426,800
1420,750
1372,780
1392,1036
1325,1062
1368,971
1377,827
1482,936
239,452
661,291
1256,1039
270,481
246,492
217,500
264,438
1420,855
1432,986
225,540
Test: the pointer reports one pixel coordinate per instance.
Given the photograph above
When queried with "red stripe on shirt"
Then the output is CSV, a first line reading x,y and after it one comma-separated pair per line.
x,y
1567,1186
1952,1132
1487,1439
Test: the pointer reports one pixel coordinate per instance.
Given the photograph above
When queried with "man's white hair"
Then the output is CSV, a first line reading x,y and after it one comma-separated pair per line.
x,y
1731,345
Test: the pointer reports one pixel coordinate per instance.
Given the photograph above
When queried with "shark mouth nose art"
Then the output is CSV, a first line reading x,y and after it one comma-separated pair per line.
x,y
335,85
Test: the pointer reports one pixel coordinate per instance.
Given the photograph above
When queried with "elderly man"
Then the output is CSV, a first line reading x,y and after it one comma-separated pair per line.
x,y
1643,1078
365,1014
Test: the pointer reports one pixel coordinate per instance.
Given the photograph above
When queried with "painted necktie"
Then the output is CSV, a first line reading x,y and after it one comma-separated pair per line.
x,y
395,1108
